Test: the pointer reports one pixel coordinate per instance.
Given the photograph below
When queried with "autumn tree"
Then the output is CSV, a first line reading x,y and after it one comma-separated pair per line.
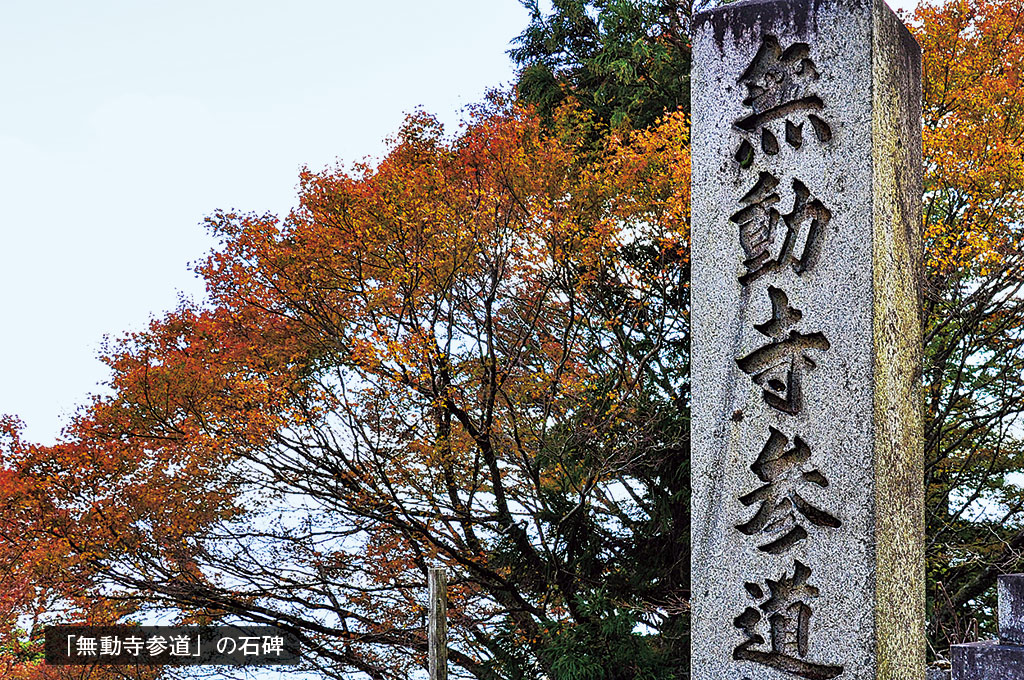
x,y
974,312
472,354
972,316
42,578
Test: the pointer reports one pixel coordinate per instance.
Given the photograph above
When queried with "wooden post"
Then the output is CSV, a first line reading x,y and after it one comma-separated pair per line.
x,y
437,624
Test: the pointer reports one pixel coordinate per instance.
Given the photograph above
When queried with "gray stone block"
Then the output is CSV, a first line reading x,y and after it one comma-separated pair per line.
x,y
987,661
1010,588
807,506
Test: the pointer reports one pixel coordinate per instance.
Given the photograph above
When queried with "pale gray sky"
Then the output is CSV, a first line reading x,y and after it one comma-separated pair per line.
x,y
125,122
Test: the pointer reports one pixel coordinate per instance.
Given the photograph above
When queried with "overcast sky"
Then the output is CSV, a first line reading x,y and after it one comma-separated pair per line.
x,y
126,122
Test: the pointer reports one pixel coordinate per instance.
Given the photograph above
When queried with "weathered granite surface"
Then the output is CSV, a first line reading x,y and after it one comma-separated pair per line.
x,y
987,661
1010,591
807,523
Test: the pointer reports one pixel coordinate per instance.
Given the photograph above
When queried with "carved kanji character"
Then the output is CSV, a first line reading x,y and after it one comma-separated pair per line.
x,y
758,222
805,226
779,84
788,617
778,367
782,509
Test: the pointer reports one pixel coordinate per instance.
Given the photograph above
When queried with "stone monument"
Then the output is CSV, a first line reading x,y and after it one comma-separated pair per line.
x,y
808,517
1001,659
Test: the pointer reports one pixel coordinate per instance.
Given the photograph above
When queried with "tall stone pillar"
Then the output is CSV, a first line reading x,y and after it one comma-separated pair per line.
x,y
807,464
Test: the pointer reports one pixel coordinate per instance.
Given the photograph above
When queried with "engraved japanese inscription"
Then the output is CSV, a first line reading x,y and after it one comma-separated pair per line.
x,y
785,615
807,504
779,87
778,367
783,512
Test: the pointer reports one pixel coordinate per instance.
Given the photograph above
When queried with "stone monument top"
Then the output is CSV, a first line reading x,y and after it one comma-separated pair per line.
x,y
1001,659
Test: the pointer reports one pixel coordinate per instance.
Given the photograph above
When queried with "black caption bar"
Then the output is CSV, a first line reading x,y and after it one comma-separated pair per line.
x,y
170,645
